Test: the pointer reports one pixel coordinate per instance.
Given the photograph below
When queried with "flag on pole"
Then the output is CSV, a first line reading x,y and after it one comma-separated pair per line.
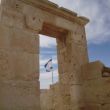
x,y
48,66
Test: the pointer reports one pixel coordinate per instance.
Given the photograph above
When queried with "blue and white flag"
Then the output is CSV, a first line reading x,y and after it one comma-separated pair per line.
x,y
48,66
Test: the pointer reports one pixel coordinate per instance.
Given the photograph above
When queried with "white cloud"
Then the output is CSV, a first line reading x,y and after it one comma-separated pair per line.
x,y
97,11
46,41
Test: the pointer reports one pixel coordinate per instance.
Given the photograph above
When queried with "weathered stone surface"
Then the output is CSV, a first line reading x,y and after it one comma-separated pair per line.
x,y
26,67
34,20
92,91
5,71
5,34
24,41
105,90
105,107
80,87
17,19
19,60
13,95
77,94
92,70
91,106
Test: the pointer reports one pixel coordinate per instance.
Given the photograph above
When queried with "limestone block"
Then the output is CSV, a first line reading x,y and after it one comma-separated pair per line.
x,y
79,39
79,55
46,99
5,34
64,78
75,77
62,68
62,55
25,41
105,90
80,30
16,65
34,20
71,78
12,18
61,44
64,89
97,91
55,98
88,106
77,94
25,66
105,107
66,107
66,100
92,70
93,91
65,24
12,5
73,56
19,95
81,51
5,71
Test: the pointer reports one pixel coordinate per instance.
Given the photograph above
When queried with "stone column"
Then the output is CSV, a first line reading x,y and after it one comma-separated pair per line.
x,y
72,53
19,62
64,60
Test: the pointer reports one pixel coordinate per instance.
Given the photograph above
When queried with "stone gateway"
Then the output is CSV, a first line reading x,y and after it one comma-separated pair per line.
x,y
81,85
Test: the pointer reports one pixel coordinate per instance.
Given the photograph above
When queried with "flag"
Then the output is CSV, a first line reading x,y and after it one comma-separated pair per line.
x,y
48,66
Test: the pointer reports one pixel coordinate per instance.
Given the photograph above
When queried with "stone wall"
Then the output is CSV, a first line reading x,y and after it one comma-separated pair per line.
x,y
46,100
21,22
93,94
72,54
43,99
95,87
19,62
51,98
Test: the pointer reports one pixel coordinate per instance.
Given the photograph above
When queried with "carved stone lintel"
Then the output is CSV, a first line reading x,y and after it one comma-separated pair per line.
x,y
34,18
33,23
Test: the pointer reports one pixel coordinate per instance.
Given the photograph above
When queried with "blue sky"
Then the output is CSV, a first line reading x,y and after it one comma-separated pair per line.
x,y
98,34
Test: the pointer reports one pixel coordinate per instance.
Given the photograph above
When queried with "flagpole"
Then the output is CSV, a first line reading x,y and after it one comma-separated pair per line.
x,y
52,75
52,89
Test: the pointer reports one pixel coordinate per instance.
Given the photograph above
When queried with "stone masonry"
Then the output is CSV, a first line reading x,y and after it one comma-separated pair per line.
x,y
93,94
79,87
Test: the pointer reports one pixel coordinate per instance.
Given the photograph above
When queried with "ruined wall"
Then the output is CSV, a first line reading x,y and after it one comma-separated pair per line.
x,y
44,99
72,54
93,94
96,92
19,60
21,22
80,85
51,98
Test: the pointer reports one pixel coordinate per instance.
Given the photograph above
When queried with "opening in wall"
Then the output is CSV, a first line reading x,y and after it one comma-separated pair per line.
x,y
48,61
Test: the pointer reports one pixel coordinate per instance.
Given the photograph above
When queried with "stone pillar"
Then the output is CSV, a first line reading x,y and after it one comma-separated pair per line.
x,y
19,62
72,53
